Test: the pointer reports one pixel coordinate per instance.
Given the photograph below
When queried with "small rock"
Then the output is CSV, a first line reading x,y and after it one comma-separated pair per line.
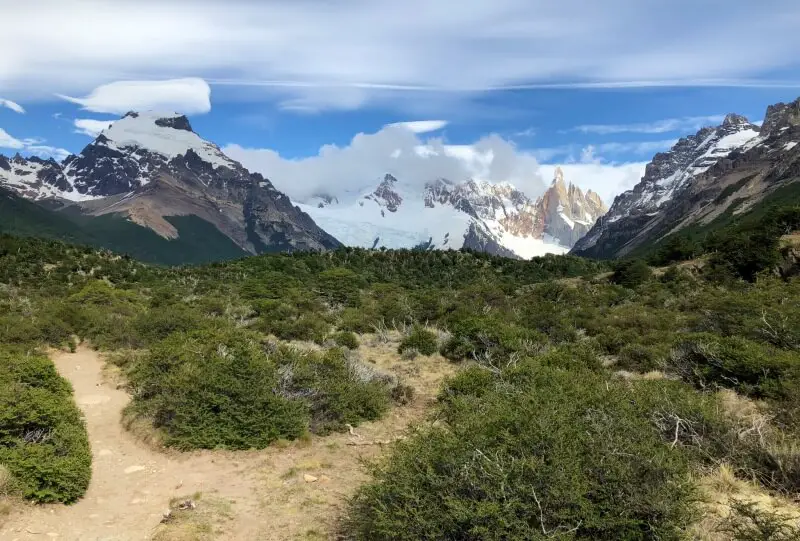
x,y
187,504
134,469
324,479
310,478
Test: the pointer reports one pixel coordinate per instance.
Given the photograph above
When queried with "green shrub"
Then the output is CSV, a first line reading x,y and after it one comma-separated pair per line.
x,y
424,341
631,273
744,255
545,453
213,389
639,358
752,369
43,441
335,389
346,339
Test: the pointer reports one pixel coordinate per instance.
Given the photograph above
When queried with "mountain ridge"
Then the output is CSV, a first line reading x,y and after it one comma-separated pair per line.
x,y
729,168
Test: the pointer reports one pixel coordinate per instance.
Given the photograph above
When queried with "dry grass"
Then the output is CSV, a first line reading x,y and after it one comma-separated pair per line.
x,y
718,488
205,522
8,498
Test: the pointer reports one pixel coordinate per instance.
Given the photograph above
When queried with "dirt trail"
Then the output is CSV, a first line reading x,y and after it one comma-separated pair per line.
x,y
267,493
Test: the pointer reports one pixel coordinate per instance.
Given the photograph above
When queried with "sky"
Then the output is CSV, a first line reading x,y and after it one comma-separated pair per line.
x,y
324,97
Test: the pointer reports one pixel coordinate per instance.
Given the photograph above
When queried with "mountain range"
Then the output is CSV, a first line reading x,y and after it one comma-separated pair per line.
x,y
491,217
150,186
706,180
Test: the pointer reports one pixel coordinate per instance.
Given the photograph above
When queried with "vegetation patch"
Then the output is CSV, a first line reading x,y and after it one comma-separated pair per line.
x,y
44,449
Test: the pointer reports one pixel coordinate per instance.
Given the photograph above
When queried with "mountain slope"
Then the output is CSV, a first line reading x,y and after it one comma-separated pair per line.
x,y
728,169
479,215
150,168
197,241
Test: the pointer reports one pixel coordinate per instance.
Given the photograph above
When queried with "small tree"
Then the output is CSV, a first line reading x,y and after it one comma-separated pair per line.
x,y
631,273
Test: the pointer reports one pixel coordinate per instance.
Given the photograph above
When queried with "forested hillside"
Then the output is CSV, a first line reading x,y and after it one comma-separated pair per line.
x,y
593,400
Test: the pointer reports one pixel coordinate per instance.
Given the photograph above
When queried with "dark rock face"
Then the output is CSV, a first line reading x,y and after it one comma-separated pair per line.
x,y
102,170
480,240
176,123
781,116
385,195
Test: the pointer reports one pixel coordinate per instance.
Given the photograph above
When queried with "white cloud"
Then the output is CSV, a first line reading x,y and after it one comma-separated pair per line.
x,y
7,141
528,132
360,165
396,150
31,146
689,123
422,126
590,153
91,127
315,55
187,96
16,107
46,151
639,148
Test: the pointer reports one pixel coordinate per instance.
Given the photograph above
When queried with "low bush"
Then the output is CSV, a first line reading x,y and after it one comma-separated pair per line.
x,y
421,339
221,388
335,388
346,339
213,389
540,453
43,441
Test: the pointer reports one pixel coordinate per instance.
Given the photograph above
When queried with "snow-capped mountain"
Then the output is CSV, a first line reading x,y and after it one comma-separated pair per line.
x,y
735,164
150,166
479,215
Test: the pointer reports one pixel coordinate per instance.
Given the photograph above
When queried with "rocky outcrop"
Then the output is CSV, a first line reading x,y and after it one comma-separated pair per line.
x,y
385,194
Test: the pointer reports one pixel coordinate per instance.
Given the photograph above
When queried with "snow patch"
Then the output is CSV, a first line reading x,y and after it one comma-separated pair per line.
x,y
142,131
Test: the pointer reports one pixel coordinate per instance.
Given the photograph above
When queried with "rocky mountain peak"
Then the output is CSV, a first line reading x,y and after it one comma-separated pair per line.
x,y
386,195
179,122
558,177
732,120
781,116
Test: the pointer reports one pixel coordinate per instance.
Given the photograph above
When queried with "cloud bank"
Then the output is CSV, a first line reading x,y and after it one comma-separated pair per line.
x,y
359,166
312,54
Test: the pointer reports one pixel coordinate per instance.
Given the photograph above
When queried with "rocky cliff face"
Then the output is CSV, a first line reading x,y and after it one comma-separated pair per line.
x,y
151,166
730,167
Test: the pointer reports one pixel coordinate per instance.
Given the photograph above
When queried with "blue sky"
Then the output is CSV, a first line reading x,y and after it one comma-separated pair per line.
x,y
598,86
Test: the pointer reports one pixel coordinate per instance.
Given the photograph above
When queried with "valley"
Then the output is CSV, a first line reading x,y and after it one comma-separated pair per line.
x,y
188,354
